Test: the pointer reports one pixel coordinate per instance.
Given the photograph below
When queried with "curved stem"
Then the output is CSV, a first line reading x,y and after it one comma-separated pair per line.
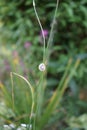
x,y
40,27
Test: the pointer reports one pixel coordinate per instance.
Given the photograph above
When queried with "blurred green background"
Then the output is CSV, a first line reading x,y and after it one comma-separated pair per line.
x,y
21,49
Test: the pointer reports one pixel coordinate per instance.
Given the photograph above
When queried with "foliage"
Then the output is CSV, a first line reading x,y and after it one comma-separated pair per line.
x,y
79,122
21,51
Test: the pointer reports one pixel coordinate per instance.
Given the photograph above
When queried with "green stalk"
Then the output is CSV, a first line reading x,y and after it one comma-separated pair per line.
x,y
56,98
31,90
40,97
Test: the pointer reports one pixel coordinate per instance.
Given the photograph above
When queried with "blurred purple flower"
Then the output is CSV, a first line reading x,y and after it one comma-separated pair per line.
x,y
15,53
27,45
22,64
7,65
45,32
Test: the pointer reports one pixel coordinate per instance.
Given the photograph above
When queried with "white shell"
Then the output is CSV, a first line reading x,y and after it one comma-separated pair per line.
x,y
42,67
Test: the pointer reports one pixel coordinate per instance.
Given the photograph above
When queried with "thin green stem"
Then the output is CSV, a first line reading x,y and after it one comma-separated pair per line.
x,y
40,27
32,93
51,32
12,90
53,24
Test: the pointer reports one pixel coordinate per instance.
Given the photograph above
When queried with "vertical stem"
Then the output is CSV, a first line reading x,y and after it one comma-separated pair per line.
x,y
12,90
40,27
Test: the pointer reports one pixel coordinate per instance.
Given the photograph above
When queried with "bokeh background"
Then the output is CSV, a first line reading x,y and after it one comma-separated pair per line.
x,y
21,50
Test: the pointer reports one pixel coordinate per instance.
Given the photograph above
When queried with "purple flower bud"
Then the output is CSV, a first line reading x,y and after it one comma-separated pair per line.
x,y
45,32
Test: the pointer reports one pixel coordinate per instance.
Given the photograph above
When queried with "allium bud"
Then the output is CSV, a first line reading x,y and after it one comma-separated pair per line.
x,y
42,67
44,32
